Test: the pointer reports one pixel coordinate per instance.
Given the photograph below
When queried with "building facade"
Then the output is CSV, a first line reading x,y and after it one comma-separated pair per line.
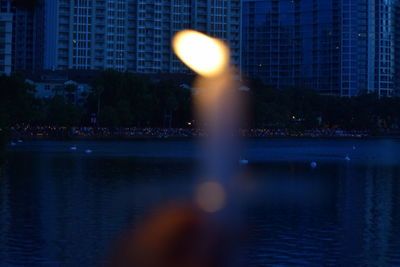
x,y
155,22
336,47
132,35
27,34
28,39
85,34
5,42
73,85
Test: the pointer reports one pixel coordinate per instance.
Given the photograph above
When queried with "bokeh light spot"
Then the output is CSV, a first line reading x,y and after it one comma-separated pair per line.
x,y
210,196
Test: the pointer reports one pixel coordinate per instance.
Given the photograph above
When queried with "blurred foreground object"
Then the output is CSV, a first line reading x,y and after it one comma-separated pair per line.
x,y
217,103
174,236
198,234
205,55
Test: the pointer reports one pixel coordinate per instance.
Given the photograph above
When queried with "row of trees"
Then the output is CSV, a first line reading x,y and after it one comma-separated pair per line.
x,y
117,99
125,99
305,109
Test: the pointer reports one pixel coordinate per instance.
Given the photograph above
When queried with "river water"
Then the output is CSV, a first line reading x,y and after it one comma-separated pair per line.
x,y
60,207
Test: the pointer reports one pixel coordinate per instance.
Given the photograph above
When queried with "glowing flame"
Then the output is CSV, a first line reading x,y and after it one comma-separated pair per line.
x,y
205,55
210,196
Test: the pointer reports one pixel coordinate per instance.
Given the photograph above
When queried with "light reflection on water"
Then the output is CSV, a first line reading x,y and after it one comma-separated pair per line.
x,y
63,208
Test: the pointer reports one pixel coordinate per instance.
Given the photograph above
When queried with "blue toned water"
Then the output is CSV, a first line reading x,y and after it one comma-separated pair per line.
x,y
60,207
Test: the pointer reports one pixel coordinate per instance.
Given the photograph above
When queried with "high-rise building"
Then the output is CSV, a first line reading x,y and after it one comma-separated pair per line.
x,y
28,39
85,34
27,30
155,22
335,47
5,42
132,35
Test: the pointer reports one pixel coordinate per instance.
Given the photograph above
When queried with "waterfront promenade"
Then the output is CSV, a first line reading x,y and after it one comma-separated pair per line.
x,y
44,132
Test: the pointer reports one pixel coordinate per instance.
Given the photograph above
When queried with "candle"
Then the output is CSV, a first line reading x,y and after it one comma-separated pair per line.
x,y
217,108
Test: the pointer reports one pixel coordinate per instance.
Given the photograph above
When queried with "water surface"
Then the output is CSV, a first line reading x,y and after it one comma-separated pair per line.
x,y
64,208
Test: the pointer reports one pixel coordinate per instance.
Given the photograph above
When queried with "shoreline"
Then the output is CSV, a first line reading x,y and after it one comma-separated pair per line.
x,y
182,138
143,134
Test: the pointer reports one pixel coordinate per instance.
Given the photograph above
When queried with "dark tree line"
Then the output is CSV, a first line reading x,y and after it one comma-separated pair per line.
x,y
116,99
305,109
125,99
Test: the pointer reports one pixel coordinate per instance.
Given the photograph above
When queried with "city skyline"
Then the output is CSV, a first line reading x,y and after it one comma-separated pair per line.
x,y
337,48
124,35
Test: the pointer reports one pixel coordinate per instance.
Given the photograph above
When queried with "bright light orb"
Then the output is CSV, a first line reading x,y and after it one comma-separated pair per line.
x,y
205,55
